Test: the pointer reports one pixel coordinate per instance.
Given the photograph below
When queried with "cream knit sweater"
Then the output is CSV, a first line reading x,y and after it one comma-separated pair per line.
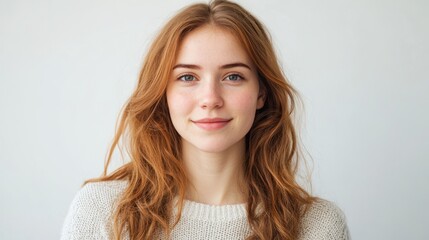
x,y
90,217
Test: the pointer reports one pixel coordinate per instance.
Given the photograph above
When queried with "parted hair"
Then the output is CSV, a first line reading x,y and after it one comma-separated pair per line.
x,y
155,173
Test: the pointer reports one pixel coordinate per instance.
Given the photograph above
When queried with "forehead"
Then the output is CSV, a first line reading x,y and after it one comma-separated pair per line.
x,y
211,44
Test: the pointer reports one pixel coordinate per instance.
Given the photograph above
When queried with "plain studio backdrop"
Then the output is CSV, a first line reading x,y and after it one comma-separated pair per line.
x,y
361,67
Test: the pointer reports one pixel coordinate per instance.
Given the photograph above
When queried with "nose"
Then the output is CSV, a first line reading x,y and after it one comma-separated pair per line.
x,y
211,95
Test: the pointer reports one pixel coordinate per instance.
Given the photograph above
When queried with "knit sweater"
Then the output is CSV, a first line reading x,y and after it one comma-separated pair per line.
x,y
90,217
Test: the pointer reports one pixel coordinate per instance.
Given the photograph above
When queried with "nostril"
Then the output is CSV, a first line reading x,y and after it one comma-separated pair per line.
x,y
211,101
210,96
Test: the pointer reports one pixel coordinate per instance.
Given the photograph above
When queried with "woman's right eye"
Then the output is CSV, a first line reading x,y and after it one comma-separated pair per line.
x,y
186,78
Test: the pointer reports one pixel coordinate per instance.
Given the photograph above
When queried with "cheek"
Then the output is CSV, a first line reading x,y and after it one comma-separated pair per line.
x,y
178,104
245,102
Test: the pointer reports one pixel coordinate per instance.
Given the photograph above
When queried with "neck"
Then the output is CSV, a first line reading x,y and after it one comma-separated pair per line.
x,y
215,178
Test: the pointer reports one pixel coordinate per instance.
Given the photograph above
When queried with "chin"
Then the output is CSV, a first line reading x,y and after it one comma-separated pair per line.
x,y
212,148
218,146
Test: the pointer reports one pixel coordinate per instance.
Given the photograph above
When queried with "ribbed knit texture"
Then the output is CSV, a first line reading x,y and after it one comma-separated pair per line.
x,y
90,217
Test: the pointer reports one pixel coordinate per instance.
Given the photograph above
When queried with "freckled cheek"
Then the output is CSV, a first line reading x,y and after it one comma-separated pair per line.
x,y
244,108
245,102
179,104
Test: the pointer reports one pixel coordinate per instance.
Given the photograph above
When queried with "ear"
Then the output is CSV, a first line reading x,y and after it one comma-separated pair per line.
x,y
261,98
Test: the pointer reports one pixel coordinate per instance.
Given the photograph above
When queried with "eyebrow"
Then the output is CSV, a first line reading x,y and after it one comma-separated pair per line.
x,y
226,66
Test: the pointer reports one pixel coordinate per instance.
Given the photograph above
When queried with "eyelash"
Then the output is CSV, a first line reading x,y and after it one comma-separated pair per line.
x,y
186,75
240,77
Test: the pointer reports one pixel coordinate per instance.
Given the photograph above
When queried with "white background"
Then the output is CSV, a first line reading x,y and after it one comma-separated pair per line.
x,y
67,67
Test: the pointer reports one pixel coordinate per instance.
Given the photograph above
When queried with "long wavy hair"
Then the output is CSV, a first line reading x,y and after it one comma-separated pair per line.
x,y
155,174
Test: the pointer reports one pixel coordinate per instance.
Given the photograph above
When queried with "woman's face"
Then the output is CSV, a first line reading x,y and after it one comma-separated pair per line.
x,y
213,92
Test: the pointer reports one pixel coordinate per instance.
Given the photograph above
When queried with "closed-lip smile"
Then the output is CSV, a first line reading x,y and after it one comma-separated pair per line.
x,y
212,123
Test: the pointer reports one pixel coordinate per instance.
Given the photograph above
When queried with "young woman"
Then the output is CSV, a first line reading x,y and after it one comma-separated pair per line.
x,y
213,151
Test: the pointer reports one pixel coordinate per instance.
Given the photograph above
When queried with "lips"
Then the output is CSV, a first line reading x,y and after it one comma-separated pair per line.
x,y
212,123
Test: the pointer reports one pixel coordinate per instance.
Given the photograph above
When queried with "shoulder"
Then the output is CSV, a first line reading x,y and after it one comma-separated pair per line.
x,y
324,220
90,212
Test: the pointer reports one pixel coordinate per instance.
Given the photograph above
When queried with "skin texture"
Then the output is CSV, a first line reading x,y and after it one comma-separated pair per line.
x,y
213,95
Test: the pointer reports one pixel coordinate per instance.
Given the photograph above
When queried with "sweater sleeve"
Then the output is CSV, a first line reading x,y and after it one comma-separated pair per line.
x,y
324,220
90,213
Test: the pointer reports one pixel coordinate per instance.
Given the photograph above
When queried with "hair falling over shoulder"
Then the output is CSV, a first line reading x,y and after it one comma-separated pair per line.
x,y
155,173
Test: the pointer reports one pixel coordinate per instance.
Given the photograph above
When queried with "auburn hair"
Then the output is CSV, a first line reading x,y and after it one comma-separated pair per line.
x,y
155,174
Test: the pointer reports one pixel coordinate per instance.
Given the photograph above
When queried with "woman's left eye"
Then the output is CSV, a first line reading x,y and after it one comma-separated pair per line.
x,y
234,77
